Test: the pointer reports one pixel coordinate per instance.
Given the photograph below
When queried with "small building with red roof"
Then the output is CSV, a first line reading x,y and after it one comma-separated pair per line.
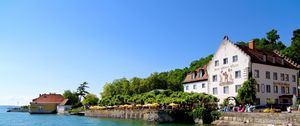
x,y
46,103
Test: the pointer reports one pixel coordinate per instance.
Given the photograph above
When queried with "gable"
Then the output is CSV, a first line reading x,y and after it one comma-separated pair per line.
x,y
227,50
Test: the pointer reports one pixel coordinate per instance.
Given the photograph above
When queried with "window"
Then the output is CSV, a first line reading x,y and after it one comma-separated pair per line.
x,y
268,88
287,77
201,73
237,87
287,90
264,58
225,60
273,60
217,63
226,90
238,74
275,89
186,87
268,76
257,88
203,85
194,86
215,78
274,76
262,88
235,58
215,91
282,77
294,78
256,73
194,75
294,90
282,90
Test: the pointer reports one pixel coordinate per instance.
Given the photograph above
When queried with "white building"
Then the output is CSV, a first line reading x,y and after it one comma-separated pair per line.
x,y
233,64
196,81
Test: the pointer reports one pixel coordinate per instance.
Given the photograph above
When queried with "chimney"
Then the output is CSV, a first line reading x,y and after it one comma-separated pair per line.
x,y
251,44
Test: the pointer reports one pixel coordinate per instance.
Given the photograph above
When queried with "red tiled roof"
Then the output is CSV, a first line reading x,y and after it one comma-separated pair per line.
x,y
189,79
49,98
257,56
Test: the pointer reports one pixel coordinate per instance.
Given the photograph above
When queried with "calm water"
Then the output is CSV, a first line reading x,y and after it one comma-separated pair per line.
x,y
25,119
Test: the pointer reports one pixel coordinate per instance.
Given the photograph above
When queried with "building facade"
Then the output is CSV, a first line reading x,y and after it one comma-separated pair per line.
x,y
228,70
196,81
232,65
46,104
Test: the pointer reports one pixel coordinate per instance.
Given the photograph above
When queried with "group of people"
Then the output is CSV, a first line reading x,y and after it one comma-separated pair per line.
x,y
240,108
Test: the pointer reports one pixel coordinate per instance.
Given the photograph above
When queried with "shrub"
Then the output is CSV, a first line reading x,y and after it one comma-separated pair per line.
x,y
215,115
198,112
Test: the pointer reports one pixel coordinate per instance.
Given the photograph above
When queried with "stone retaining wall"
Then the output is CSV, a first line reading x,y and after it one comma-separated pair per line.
x,y
255,119
147,115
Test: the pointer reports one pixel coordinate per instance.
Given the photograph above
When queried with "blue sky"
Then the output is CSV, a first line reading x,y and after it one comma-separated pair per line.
x,y
54,45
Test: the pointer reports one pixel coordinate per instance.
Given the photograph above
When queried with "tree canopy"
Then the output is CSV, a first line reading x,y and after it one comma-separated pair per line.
x,y
293,51
90,99
165,80
81,90
247,93
72,96
199,63
269,43
163,97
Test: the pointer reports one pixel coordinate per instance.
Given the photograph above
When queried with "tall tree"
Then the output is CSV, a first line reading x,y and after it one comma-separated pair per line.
x,y
293,51
272,37
247,93
72,96
269,43
81,90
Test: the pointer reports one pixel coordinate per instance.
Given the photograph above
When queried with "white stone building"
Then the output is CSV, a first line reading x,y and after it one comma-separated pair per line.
x,y
196,81
233,64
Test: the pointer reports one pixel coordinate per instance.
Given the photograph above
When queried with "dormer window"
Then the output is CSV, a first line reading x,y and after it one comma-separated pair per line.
x,y
282,61
273,59
201,72
264,58
194,75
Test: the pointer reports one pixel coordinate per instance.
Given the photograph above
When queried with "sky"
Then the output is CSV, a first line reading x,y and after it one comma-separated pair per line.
x,y
48,46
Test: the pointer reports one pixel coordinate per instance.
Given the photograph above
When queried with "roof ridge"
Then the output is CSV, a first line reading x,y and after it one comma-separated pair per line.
x,y
257,54
287,59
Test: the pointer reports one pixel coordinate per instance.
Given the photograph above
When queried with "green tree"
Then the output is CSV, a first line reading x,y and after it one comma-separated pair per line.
x,y
81,90
247,93
269,43
199,63
90,99
136,85
293,52
72,96
175,78
171,80
272,37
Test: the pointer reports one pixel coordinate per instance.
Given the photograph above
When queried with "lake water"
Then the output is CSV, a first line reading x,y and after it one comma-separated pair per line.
x,y
25,119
